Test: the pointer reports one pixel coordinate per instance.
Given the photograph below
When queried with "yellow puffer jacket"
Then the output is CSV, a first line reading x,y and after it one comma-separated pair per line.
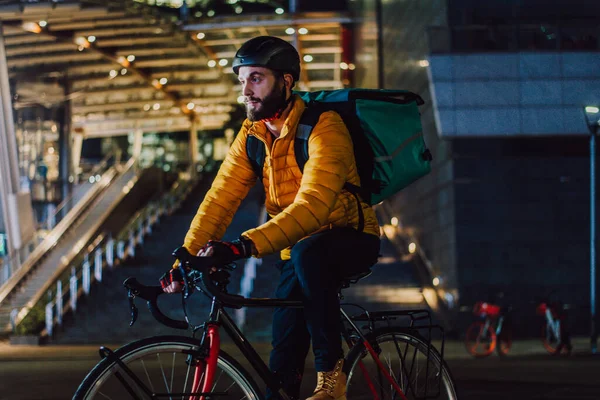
x,y
299,204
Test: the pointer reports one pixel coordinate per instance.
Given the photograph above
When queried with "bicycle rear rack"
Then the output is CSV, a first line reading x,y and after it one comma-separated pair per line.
x,y
420,320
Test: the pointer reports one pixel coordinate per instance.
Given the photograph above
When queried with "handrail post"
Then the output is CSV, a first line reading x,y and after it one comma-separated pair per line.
x,y
121,250
49,314
73,289
86,275
13,319
140,234
149,222
110,252
131,247
59,302
98,264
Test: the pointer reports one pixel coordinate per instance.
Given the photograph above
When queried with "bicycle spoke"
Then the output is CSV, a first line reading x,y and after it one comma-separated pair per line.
x,y
162,370
187,376
161,360
217,381
416,384
388,360
147,375
172,371
412,364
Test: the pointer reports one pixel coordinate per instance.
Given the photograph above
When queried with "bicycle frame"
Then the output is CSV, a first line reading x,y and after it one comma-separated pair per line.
x,y
553,323
205,360
211,340
220,318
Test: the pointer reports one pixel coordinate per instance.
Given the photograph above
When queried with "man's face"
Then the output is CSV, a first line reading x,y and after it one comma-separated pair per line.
x,y
264,93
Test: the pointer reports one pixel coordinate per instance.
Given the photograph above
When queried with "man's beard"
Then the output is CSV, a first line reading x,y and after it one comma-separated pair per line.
x,y
269,106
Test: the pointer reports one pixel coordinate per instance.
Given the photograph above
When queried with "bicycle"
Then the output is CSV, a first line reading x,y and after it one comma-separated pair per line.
x,y
493,333
555,335
383,362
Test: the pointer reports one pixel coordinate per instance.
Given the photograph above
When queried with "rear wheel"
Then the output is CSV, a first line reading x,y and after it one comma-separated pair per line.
x,y
549,338
504,341
159,367
416,367
480,340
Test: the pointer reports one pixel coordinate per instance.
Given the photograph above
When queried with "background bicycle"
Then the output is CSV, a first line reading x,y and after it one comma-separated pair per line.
x,y
555,334
492,332
384,361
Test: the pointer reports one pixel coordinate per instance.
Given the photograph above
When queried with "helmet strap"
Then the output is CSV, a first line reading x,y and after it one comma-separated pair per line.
x,y
279,112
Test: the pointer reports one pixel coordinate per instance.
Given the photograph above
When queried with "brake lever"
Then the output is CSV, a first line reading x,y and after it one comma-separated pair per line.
x,y
186,285
134,309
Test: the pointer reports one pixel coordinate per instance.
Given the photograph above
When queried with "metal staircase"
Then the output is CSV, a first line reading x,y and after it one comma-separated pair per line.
x,y
50,259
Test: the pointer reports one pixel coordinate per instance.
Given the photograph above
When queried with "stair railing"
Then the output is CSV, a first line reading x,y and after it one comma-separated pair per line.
x,y
90,265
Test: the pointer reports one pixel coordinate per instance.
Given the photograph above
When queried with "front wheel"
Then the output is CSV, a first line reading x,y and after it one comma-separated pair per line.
x,y
415,366
161,367
480,339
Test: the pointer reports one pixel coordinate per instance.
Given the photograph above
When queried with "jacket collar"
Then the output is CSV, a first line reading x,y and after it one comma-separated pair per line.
x,y
259,128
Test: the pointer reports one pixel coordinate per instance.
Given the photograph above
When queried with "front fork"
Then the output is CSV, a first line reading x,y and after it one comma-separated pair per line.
x,y
205,367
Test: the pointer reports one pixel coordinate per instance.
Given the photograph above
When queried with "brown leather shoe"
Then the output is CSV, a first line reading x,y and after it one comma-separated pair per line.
x,y
331,385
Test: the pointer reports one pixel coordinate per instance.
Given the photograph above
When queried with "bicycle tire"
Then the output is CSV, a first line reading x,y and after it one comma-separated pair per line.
x,y
103,381
549,339
504,341
399,341
474,338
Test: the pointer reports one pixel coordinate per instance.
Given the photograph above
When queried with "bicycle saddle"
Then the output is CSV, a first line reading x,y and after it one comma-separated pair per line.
x,y
347,281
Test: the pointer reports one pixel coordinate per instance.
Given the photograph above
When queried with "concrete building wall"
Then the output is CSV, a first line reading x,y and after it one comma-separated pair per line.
x,y
506,207
514,94
522,224
521,173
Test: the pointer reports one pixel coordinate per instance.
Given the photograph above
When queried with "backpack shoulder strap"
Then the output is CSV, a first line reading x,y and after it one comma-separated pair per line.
x,y
255,150
308,120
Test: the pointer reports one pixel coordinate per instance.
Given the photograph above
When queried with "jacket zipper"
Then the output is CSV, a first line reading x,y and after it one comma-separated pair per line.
x,y
273,186
268,152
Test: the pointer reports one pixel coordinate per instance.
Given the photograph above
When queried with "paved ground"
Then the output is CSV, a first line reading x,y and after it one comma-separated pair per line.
x,y
53,372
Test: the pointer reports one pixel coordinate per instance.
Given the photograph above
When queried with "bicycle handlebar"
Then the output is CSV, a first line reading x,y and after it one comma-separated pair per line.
x,y
150,294
204,265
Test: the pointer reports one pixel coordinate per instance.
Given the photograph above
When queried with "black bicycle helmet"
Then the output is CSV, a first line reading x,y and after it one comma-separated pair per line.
x,y
269,52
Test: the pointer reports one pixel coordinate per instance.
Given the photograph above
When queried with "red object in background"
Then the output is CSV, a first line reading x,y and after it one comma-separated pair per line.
x,y
483,309
347,39
541,308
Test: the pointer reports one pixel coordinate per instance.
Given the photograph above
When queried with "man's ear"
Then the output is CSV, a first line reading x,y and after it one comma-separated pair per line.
x,y
289,81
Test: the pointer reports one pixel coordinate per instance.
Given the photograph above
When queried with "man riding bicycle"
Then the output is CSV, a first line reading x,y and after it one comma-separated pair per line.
x,y
323,232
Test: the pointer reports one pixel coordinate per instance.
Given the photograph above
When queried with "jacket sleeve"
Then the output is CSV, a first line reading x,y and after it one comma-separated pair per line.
x,y
230,187
330,159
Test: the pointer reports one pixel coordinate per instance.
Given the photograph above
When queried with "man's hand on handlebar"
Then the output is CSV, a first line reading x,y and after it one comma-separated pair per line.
x,y
225,252
172,281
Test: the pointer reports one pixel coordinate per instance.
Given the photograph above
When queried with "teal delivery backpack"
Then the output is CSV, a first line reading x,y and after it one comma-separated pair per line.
x,y
386,131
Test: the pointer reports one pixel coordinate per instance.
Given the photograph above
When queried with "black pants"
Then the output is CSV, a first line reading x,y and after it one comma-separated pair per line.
x,y
313,275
